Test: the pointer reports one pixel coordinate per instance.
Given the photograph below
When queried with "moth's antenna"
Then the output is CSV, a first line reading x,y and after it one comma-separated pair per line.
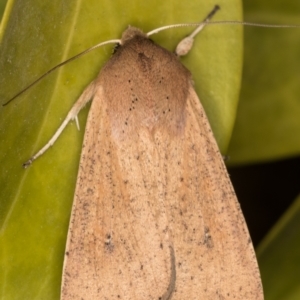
x,y
186,44
207,21
182,48
200,25
59,65
253,24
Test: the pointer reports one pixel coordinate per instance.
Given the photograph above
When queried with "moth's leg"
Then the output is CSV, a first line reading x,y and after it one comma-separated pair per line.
x,y
85,97
185,45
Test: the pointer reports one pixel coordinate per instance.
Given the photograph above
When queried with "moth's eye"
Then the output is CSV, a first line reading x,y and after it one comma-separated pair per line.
x,y
116,47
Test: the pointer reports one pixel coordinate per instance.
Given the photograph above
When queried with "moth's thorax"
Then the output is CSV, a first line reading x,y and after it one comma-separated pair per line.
x,y
144,86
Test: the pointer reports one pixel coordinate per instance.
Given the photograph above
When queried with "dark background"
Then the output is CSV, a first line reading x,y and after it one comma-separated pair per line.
x,y
265,191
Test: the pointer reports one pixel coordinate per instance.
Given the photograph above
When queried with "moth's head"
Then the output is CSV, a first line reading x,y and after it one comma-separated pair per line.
x,y
130,33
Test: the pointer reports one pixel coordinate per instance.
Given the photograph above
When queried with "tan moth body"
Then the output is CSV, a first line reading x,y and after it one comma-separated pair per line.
x,y
154,213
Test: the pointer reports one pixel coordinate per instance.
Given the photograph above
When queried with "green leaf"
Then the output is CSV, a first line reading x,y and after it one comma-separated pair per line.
x,y
279,257
35,36
268,122
2,7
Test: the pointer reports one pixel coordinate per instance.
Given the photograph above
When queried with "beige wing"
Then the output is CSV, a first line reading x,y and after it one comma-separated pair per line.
x,y
118,243
213,250
155,217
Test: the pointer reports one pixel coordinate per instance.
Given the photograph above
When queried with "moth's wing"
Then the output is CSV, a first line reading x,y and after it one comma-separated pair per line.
x,y
118,242
213,250
155,216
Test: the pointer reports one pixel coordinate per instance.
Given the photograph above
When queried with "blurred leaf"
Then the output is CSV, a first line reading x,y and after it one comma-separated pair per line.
x,y
35,36
2,7
268,122
279,257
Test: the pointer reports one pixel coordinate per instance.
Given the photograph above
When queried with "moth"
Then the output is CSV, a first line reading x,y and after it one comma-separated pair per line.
x,y
154,214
